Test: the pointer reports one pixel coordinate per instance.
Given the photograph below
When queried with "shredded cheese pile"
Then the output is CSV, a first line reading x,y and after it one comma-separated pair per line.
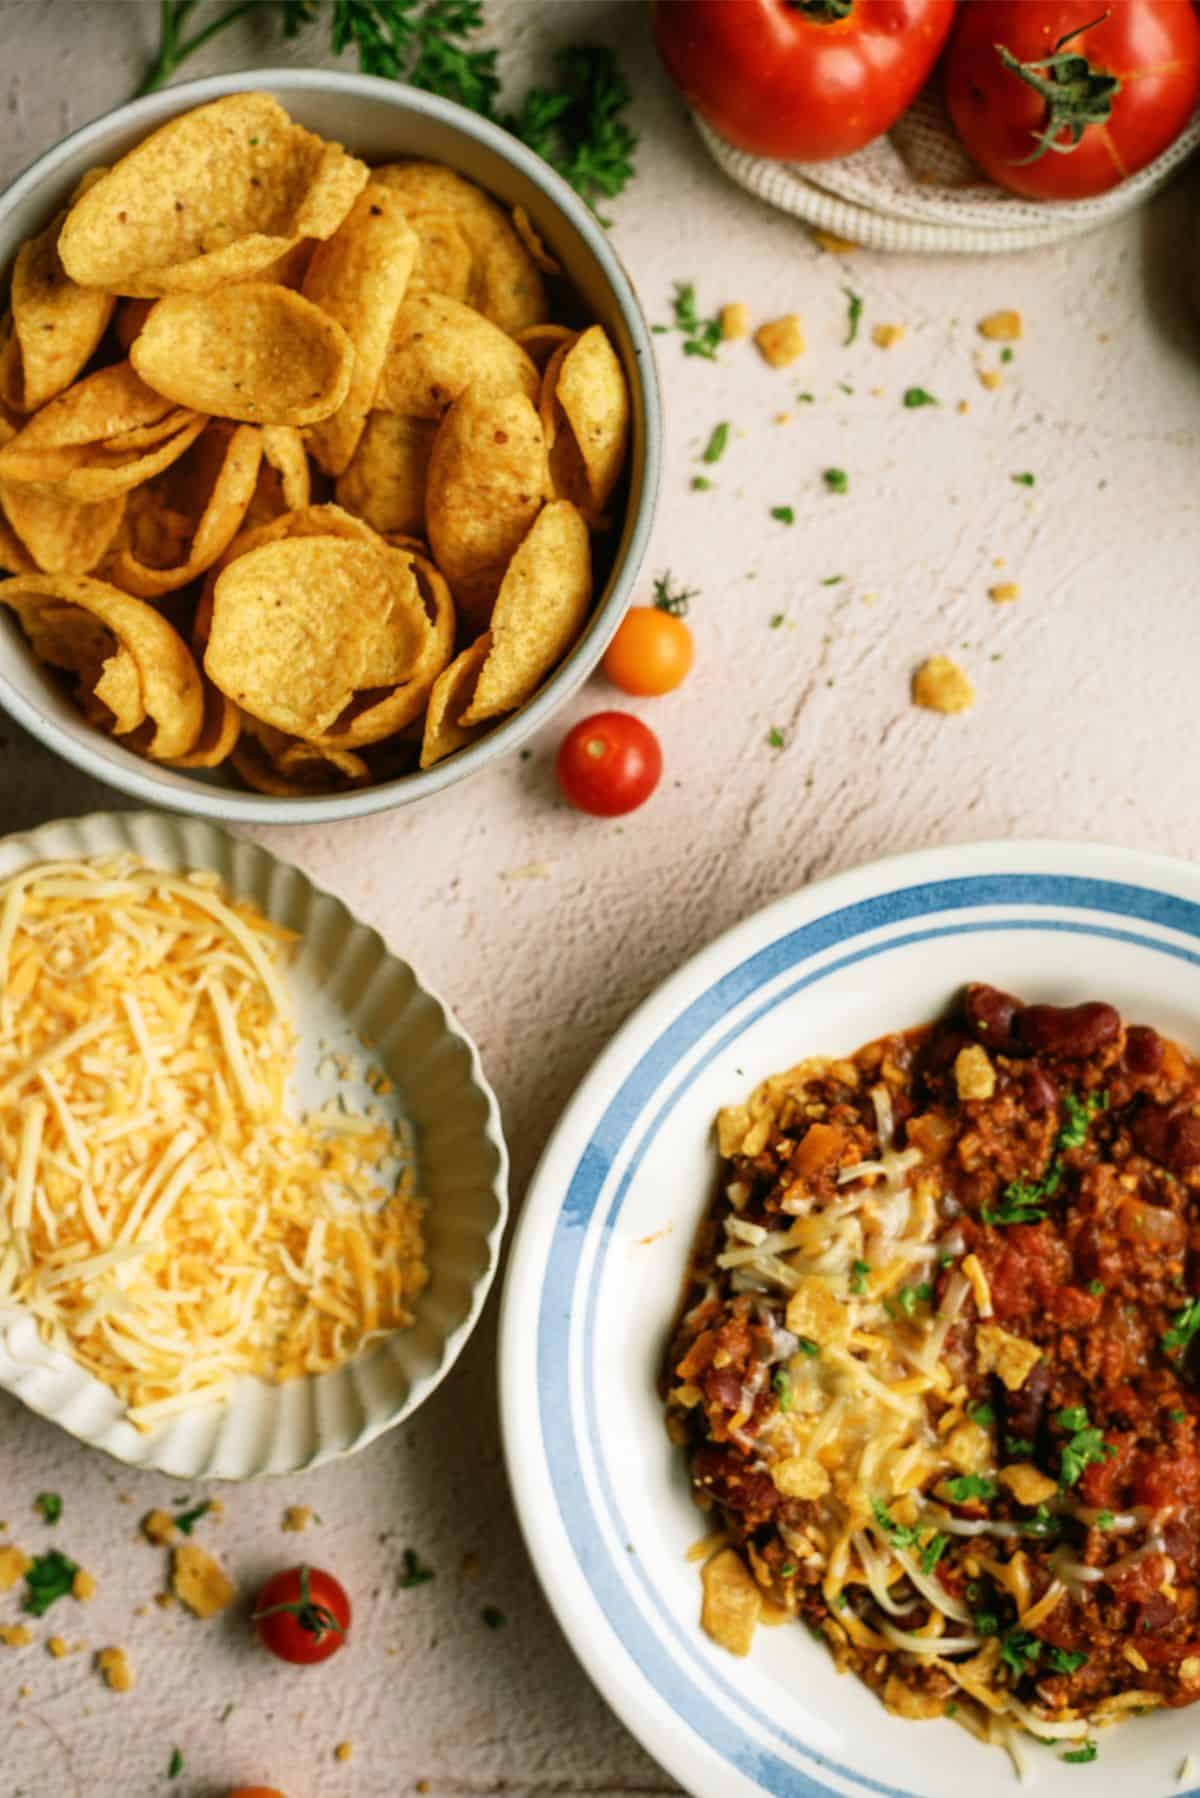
x,y
162,1215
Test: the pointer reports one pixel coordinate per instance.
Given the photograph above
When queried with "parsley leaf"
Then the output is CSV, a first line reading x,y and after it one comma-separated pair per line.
x,y
715,447
1017,1448
833,580
187,1520
808,1347
854,307
1079,1112
48,1578
50,1505
701,484
967,1486
1022,480
414,1574
901,1535
701,335
859,1274
932,1552
1065,1660
775,737
1019,1651
577,126
782,1384
1041,1524
1074,1418
1183,1327
1081,1756
672,599
836,479
783,514
1085,1447
918,396
981,1414
1024,1201
175,1764
1104,1520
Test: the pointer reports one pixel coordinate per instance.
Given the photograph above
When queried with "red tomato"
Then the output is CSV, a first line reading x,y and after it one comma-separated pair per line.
x,y
651,652
609,764
302,1615
1128,82
801,79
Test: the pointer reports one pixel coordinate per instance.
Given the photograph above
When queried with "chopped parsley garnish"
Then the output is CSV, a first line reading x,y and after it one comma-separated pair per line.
x,y
1074,1418
701,336
1022,480
909,1297
836,479
1081,1756
1085,1448
187,1520
175,1764
854,307
981,1414
833,580
924,1292
918,396
1095,1287
48,1578
967,1486
495,1619
782,1385
1041,1524
1104,1520
1079,1114
672,599
414,1574
860,1272
778,619
987,1623
1006,354
50,1505
1017,1448
845,387
787,1571
1183,1327
775,739
952,1708
808,1347
1019,1650
783,514
1024,1201
714,449
701,484
932,1552
575,126
1177,1416
900,1535
1065,1660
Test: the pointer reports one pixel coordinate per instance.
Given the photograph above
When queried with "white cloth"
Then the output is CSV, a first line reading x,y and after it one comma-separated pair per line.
x,y
916,190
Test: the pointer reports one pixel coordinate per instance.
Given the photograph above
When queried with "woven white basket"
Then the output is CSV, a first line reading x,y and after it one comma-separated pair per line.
x,y
916,190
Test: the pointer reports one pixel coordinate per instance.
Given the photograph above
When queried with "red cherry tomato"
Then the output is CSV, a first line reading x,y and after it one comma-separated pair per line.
x,y
302,1615
801,79
609,764
651,652
1138,76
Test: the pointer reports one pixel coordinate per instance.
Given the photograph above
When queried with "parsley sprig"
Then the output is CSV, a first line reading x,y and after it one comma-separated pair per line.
x,y
48,1578
1024,1201
1085,1444
701,336
1183,1327
672,599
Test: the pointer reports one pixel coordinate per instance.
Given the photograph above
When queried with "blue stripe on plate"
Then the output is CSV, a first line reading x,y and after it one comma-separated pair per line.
x,y
714,1725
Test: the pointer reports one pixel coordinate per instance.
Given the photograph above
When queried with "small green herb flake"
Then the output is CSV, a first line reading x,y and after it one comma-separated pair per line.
x,y
932,1552
833,580
1081,1756
50,1505
494,1619
414,1574
901,1535
175,1764
967,1487
1019,1650
782,1385
918,396
670,598
982,1414
187,1520
836,479
783,514
775,737
1085,1448
1177,1416
701,484
1022,480
49,1578
854,308
808,1347
1183,1327
714,449
806,399
1006,354
860,1272
701,336
778,620
1065,1660
1095,1287
1104,1520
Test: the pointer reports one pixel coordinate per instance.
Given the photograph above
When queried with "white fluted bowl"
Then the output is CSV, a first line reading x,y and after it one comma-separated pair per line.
x,y
346,984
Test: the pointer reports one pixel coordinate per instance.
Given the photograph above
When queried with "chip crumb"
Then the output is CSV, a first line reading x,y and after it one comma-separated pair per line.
x,y
158,1527
940,685
783,418
24,1691
831,243
470,1566
781,340
1001,327
14,1565
15,1635
296,1518
422,1785
83,1586
1004,590
164,1600
343,1751
886,335
735,321
963,406
58,1647
200,1582
529,871
113,1665
990,378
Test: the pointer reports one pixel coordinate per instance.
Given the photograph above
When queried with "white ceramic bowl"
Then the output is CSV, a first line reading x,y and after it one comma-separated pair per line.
x,y
598,1266
379,121
345,984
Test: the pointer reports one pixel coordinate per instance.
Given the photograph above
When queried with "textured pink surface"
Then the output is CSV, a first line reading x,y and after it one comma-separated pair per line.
x,y
544,929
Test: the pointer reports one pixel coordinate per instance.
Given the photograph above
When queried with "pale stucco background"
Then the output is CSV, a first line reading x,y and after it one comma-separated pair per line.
x,y
545,928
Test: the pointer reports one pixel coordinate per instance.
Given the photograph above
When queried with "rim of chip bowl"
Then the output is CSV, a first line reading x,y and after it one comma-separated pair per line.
x,y
570,228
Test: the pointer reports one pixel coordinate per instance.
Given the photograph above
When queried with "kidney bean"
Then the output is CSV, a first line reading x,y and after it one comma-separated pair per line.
x,y
1183,1145
1072,1031
1172,1138
1155,1613
989,1014
1143,1049
1022,1410
1038,1091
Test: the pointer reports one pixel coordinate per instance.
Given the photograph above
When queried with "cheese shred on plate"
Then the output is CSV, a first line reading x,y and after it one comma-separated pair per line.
x,y
164,1216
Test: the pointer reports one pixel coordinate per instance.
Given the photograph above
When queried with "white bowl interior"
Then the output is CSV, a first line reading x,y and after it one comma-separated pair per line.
x,y
346,986
604,1251
381,122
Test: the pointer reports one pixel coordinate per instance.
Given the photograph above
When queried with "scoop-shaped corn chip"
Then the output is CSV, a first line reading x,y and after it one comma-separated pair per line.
x,y
452,693
287,768
14,557
488,477
504,282
113,403
62,536
56,324
219,733
131,316
109,686
585,415
527,232
284,478
170,681
444,261
261,354
359,277
438,348
732,1602
300,624
540,342
210,489
210,197
539,611
385,483
119,691
371,718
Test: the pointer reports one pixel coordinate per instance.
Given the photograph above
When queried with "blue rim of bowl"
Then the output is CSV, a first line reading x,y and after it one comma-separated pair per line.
x,y
590,1210
247,808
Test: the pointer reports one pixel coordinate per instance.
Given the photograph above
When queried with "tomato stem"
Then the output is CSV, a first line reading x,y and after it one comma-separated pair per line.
x,y
822,12
1077,95
314,1619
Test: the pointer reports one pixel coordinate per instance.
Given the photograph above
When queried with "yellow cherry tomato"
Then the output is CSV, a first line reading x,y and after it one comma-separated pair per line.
x,y
651,653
